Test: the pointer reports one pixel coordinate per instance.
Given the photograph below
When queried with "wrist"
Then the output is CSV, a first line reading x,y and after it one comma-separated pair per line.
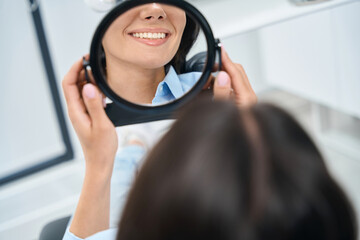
x,y
97,181
99,168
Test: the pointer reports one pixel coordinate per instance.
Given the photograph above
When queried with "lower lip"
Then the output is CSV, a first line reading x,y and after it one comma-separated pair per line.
x,y
152,42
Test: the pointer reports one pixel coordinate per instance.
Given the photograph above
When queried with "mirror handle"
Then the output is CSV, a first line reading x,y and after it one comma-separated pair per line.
x,y
121,116
218,46
86,65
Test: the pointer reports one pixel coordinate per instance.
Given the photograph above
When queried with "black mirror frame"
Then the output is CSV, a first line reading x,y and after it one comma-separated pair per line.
x,y
122,112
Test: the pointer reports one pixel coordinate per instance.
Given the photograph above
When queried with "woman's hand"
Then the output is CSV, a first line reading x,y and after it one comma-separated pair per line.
x,y
96,132
98,139
233,82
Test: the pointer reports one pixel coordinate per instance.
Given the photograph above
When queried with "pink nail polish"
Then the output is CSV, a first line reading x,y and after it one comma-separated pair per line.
x,y
89,90
223,79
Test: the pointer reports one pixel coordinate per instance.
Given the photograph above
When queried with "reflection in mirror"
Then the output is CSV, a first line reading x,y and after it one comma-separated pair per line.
x,y
149,54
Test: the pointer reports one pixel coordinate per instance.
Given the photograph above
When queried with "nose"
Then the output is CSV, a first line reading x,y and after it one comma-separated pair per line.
x,y
153,12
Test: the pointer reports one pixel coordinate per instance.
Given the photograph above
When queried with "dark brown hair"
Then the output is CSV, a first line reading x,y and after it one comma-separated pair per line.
x,y
191,33
221,173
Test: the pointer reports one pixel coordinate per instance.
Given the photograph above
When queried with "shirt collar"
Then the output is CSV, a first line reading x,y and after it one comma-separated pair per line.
x,y
173,82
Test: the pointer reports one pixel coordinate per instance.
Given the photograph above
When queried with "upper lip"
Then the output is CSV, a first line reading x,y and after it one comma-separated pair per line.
x,y
150,30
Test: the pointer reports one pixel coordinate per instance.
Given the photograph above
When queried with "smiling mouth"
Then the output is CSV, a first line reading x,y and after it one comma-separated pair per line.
x,y
150,36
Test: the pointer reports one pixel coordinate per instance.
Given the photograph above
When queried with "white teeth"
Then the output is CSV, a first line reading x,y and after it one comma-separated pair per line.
x,y
150,35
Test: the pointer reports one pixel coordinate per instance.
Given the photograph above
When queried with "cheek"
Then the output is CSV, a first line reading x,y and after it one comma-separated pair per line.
x,y
115,43
112,36
116,32
180,22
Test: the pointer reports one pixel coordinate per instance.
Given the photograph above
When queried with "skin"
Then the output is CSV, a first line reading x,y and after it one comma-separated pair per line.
x,y
98,138
142,63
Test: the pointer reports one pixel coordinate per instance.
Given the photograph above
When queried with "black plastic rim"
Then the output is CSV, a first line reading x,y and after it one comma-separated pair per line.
x,y
95,59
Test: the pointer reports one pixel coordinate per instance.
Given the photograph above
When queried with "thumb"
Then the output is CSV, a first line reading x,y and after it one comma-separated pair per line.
x,y
222,86
94,104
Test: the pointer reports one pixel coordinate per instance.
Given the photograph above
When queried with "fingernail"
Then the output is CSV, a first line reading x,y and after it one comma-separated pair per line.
x,y
89,90
223,79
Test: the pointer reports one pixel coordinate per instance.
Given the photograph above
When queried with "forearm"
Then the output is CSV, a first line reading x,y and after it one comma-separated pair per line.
x,y
93,209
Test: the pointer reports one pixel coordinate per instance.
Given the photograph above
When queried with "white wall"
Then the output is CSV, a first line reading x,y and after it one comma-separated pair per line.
x,y
69,25
29,128
27,116
28,125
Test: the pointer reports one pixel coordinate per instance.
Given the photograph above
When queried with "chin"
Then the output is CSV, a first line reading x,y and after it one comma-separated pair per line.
x,y
153,64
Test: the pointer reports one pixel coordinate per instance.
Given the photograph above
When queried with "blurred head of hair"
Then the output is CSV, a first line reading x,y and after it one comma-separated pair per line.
x,y
224,173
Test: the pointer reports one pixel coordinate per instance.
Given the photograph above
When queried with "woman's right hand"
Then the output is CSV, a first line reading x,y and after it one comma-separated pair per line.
x,y
95,131
232,82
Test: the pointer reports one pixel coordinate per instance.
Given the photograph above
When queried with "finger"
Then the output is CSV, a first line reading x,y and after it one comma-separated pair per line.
x,y
215,68
244,75
210,82
70,82
94,105
250,95
92,80
227,65
87,57
238,79
222,86
73,99
72,76
81,81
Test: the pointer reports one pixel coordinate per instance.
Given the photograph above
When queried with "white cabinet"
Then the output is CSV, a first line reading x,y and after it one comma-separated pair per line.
x,y
317,57
346,24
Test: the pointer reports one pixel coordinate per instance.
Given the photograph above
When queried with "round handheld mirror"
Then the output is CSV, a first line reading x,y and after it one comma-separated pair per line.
x,y
151,57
